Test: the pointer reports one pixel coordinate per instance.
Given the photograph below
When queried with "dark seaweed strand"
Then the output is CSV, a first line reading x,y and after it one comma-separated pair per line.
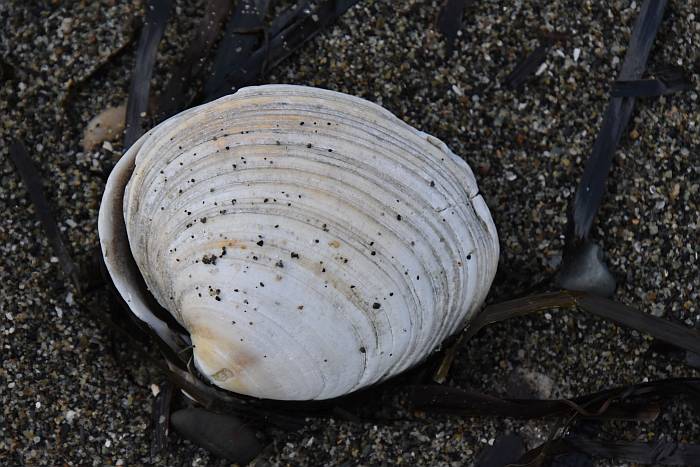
x,y
304,27
657,452
157,13
449,21
286,17
664,330
241,38
668,81
307,27
174,97
632,402
592,186
32,181
527,66
160,419
506,449
653,453
469,403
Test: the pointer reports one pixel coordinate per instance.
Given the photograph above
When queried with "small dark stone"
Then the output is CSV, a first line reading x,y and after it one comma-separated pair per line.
x,y
224,435
584,269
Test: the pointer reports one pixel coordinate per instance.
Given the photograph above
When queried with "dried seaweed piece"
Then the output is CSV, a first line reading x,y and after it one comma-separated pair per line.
x,y
610,404
160,418
633,402
33,184
157,13
287,17
592,186
546,453
678,335
657,452
664,330
667,81
303,28
447,359
449,20
175,97
242,36
527,66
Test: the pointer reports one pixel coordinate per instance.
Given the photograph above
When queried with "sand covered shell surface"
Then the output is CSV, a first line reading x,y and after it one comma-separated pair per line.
x,y
310,242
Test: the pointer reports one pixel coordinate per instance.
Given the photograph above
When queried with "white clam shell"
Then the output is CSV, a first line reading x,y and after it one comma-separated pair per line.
x,y
310,242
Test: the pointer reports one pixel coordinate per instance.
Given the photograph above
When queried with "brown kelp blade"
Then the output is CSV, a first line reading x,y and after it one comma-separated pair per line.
x,y
33,184
157,13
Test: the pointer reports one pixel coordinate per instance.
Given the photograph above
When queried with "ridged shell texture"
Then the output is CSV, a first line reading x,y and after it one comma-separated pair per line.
x,y
310,242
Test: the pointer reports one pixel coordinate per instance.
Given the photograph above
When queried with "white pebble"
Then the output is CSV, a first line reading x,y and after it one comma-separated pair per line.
x,y
577,54
541,69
